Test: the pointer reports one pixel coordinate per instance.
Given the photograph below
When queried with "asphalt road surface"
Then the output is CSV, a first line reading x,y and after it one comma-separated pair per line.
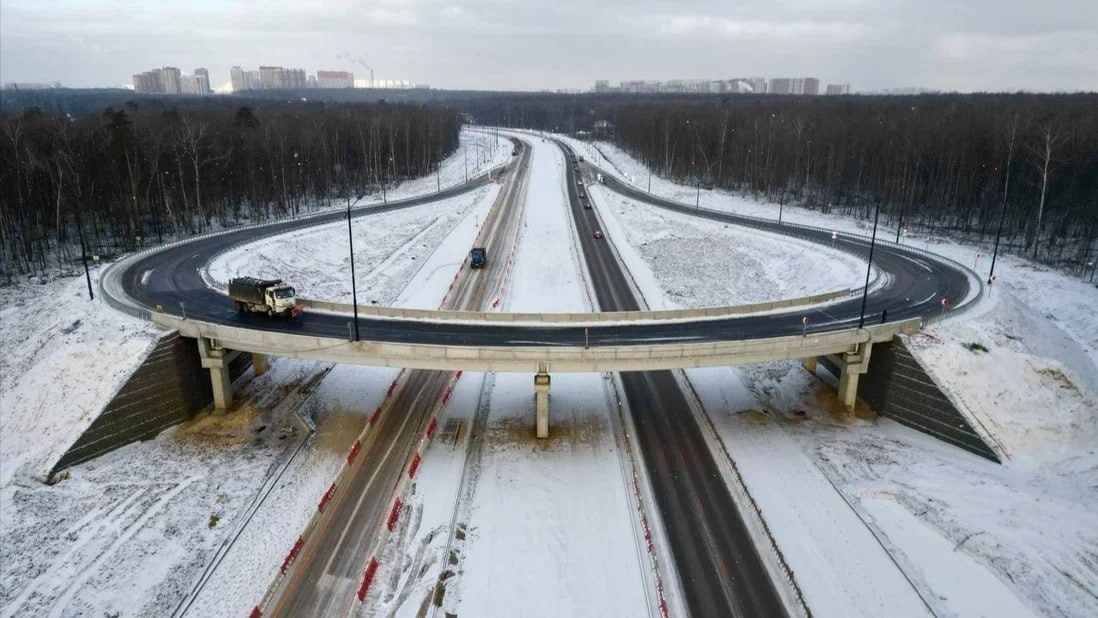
x,y
718,564
324,579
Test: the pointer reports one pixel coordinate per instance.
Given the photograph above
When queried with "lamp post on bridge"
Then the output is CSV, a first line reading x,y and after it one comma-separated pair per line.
x,y
869,265
351,250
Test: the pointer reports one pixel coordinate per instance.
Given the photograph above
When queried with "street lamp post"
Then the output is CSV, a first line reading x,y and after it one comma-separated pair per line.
x,y
293,198
869,266
998,235
351,250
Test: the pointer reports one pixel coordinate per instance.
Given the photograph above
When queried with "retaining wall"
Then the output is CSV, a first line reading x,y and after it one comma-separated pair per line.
x,y
899,387
169,387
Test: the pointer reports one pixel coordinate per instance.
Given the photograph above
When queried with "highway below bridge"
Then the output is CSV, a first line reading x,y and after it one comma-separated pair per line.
x,y
720,571
718,563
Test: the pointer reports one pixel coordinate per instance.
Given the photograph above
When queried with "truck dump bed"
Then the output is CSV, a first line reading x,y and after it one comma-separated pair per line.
x,y
250,289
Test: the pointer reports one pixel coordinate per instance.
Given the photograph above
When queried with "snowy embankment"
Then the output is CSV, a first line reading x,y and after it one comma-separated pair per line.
x,y
1019,538
131,531
64,357
515,525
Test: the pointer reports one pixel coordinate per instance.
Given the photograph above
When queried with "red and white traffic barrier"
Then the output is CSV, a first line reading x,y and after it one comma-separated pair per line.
x,y
648,540
325,500
367,579
400,488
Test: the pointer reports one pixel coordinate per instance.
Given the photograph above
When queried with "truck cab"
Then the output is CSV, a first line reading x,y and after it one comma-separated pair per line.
x,y
282,298
478,257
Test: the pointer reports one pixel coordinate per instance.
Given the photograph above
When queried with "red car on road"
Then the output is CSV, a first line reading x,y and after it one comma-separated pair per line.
x,y
598,233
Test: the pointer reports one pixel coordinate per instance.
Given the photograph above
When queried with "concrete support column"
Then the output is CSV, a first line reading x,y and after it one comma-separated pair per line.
x,y
809,364
855,363
260,364
541,401
222,387
848,387
214,358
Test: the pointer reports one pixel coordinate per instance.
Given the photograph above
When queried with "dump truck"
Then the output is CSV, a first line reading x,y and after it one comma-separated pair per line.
x,y
270,296
478,257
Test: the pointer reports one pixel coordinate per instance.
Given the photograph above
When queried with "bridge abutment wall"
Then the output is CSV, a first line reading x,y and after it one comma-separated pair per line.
x,y
169,387
897,385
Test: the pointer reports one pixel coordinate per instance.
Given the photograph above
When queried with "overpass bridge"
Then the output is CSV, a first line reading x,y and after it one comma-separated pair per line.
x,y
167,285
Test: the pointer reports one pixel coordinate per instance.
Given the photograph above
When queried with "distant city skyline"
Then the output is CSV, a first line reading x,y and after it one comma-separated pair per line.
x,y
981,45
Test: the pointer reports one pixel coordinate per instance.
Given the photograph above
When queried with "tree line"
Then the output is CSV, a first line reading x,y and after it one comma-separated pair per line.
x,y
932,163
141,173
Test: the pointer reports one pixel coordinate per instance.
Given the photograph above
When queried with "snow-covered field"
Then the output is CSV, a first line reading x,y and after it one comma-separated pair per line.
x,y
971,536
52,335
700,263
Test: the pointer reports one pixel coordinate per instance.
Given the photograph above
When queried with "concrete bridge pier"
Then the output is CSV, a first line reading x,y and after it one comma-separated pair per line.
x,y
541,400
216,359
853,364
809,364
260,363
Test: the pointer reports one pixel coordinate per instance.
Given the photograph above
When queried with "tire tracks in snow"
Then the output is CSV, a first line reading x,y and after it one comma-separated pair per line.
x,y
62,604
88,531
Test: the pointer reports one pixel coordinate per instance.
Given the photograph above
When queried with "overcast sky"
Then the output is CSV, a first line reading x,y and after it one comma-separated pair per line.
x,y
961,45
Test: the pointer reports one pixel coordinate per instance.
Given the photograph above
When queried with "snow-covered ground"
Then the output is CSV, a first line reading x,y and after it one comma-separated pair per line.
x,y
972,537
52,335
127,533
534,528
389,247
874,518
132,531
689,262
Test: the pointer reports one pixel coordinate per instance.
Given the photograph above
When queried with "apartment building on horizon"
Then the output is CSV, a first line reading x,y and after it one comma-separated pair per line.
x,y
795,85
170,80
735,85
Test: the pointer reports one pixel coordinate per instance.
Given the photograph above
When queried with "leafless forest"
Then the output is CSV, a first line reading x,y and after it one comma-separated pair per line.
x,y
139,174
962,164
1021,166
